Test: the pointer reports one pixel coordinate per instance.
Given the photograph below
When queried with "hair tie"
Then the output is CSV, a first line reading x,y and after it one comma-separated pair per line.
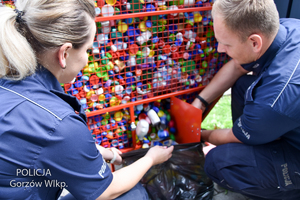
x,y
19,16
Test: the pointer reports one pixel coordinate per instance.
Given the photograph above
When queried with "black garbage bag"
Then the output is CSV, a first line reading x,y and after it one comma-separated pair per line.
x,y
181,177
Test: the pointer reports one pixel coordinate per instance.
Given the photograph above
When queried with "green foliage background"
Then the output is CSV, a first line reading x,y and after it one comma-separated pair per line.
x,y
220,115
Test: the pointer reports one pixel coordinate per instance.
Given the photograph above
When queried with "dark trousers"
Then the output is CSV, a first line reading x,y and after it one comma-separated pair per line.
x,y
269,171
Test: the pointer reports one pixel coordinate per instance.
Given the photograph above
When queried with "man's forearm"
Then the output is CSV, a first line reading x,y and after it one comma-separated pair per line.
x,y
219,136
222,81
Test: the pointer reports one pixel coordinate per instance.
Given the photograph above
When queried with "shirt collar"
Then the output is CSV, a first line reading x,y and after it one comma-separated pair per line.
x,y
47,79
258,66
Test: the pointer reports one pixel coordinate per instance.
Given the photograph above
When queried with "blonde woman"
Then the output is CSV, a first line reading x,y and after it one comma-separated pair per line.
x,y
44,145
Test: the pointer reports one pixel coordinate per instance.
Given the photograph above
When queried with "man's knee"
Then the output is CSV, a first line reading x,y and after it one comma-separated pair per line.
x,y
209,165
137,192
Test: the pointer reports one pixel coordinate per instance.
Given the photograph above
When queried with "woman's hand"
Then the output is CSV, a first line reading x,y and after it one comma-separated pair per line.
x,y
108,154
159,154
118,160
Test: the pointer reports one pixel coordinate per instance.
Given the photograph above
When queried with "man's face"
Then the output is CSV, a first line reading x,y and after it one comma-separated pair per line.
x,y
230,43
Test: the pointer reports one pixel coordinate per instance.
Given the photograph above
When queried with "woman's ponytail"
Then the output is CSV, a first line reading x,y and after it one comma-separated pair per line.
x,y
17,58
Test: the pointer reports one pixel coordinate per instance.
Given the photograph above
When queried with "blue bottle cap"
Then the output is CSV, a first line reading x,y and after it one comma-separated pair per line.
x,y
108,96
75,91
156,109
78,84
178,42
128,20
150,8
163,134
114,143
99,140
148,24
155,39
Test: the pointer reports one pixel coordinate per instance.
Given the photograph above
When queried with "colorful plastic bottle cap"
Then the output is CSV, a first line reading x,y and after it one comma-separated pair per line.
x,y
100,3
83,101
204,64
189,2
142,116
150,8
99,91
179,36
105,29
160,113
133,49
107,10
118,116
111,2
97,11
114,101
94,80
122,27
94,97
114,143
120,64
101,38
142,26
146,51
163,134
101,97
167,49
151,54
161,44
128,90
104,122
138,72
174,48
112,22
119,89
126,98
129,21
186,55
197,17
173,7
148,24
140,107
153,136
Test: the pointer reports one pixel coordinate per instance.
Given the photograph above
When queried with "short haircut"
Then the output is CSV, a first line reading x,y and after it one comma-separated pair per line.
x,y
246,17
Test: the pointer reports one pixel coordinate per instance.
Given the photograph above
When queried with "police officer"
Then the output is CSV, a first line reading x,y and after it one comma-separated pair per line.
x,y
259,155
45,144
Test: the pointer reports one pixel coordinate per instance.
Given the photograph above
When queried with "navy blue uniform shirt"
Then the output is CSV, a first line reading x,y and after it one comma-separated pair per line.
x,y
272,102
44,145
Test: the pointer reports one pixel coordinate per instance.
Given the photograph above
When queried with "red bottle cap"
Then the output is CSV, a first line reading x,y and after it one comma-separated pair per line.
x,y
94,80
133,49
167,49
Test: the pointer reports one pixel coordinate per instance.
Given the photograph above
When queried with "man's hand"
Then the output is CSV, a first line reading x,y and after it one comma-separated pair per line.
x,y
198,104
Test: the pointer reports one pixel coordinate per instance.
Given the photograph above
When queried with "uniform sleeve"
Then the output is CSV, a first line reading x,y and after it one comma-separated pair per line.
x,y
73,159
261,124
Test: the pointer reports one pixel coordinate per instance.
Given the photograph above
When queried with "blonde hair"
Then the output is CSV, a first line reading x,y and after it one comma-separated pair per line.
x,y
246,17
46,24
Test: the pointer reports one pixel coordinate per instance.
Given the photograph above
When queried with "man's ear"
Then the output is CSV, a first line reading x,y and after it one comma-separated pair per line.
x,y
63,54
256,42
